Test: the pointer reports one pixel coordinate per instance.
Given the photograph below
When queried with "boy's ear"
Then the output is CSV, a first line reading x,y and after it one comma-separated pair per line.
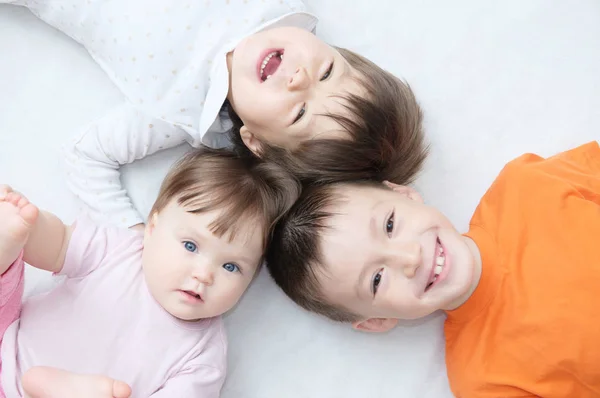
x,y
375,325
404,190
250,140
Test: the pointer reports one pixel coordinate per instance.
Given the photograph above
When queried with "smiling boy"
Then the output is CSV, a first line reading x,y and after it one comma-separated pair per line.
x,y
518,288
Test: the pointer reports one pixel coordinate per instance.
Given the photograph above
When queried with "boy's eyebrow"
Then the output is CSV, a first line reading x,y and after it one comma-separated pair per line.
x,y
360,281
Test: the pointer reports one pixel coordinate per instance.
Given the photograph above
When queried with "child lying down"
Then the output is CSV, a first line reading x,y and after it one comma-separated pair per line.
x,y
519,288
138,313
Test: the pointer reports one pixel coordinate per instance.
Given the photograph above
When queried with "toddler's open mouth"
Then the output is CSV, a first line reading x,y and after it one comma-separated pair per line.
x,y
269,64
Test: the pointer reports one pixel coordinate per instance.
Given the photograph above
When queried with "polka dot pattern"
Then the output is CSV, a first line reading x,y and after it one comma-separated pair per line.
x,y
168,59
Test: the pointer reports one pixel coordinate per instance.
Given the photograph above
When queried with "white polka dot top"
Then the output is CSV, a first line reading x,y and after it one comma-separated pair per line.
x,y
168,57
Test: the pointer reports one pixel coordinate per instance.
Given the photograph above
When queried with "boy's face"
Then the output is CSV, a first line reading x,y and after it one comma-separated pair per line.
x,y
192,273
388,256
305,76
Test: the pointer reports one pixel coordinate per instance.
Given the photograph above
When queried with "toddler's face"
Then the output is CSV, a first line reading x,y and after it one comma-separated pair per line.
x,y
389,256
282,81
192,273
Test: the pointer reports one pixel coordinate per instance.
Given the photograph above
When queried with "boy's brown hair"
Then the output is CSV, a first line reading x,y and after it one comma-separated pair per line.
x,y
246,190
385,128
294,258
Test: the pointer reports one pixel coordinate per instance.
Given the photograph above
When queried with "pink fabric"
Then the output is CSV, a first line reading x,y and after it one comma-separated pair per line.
x,y
11,292
103,320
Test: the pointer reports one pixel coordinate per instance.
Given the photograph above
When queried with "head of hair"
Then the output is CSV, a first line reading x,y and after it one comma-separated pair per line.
x,y
384,128
295,258
245,191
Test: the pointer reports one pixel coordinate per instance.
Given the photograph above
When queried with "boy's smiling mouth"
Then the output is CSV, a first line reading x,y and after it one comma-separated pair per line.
x,y
439,262
269,63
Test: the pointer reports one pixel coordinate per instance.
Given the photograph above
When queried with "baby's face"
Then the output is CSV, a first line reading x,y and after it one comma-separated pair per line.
x,y
282,81
387,255
192,273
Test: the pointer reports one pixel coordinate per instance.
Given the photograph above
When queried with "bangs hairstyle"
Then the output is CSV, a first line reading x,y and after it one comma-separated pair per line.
x,y
386,139
244,190
294,258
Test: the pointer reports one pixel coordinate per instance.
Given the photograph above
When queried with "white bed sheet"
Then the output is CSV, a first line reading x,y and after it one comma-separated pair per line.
x,y
496,79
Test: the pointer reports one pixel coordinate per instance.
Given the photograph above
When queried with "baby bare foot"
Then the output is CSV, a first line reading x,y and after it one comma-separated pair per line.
x,y
18,216
45,382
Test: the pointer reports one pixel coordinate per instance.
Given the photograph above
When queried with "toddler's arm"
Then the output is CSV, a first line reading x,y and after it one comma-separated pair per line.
x,y
93,159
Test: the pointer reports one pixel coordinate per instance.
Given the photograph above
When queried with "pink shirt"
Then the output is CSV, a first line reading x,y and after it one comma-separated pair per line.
x,y
103,320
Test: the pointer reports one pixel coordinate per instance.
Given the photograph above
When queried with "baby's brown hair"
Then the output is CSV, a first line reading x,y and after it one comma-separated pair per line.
x,y
246,190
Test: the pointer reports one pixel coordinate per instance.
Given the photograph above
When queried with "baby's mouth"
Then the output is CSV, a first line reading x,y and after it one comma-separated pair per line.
x,y
438,265
193,294
270,64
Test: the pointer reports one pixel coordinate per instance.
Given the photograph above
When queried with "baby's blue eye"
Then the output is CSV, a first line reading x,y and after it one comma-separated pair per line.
x,y
190,246
230,267
389,226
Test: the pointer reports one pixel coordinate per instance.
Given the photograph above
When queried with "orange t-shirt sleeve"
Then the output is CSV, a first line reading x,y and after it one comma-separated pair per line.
x,y
580,167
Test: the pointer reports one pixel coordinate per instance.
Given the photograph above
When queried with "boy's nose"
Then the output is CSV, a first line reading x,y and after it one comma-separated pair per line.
x,y
299,79
409,258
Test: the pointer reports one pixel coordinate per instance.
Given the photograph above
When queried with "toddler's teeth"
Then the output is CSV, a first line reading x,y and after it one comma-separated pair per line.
x,y
439,260
268,76
438,270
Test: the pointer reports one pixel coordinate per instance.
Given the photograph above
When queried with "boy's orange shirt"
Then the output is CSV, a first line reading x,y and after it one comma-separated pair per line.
x,y
532,326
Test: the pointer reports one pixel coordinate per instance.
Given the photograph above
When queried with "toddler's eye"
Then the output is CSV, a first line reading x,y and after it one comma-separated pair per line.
x,y
300,114
190,246
376,281
230,267
327,74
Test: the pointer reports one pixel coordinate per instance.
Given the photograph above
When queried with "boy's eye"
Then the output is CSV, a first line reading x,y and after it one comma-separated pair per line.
x,y
389,225
376,281
190,246
230,267
300,114
327,74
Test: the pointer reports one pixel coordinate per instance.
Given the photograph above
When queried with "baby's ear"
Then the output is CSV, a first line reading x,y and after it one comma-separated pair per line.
x,y
151,222
376,325
250,140
404,190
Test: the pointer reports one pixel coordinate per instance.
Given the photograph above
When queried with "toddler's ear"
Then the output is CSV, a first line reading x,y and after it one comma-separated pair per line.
x,y
375,325
251,141
404,190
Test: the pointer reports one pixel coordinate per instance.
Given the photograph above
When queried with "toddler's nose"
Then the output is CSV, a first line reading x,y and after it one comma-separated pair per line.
x,y
299,80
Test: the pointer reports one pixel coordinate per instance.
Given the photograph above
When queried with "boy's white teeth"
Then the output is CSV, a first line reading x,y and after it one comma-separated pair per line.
x,y
439,260
438,270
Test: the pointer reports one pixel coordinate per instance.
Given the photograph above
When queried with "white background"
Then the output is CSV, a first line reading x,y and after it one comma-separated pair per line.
x,y
496,79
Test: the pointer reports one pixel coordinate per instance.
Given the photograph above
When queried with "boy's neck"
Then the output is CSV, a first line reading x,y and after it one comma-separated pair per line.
x,y
476,275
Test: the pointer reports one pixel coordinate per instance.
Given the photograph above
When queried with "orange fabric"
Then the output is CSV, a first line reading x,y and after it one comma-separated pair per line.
x,y
532,326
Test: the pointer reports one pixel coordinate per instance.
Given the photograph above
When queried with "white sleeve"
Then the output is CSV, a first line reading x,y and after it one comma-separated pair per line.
x,y
93,159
